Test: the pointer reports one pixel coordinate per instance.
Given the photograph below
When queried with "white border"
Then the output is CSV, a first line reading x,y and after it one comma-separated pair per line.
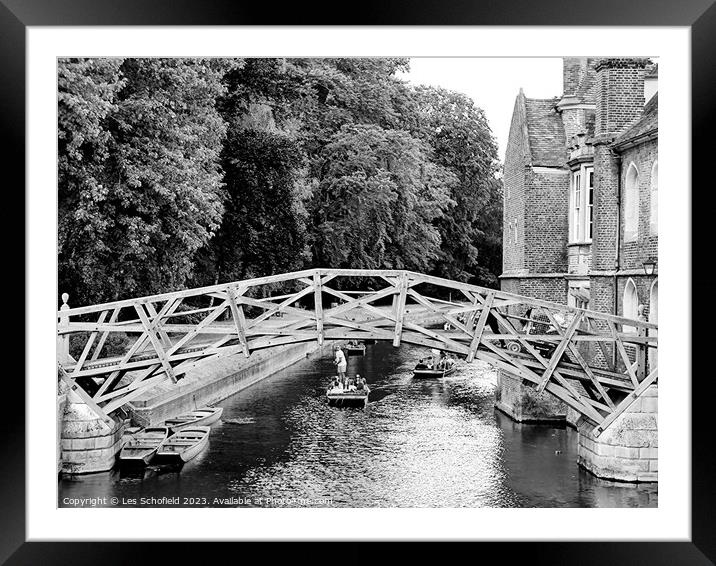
x,y
670,521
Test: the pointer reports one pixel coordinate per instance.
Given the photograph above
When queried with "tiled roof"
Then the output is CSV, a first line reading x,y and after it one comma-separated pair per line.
x,y
647,122
545,132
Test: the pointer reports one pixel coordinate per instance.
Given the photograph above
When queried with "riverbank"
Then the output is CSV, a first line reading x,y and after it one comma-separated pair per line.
x,y
214,381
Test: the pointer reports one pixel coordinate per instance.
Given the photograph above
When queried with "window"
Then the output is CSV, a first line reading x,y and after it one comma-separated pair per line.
x,y
577,210
630,304
654,303
581,204
653,317
654,200
590,203
631,205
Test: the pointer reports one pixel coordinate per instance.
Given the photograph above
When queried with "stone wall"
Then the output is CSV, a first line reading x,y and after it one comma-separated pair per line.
x,y
545,221
633,253
61,402
87,445
629,449
214,381
516,158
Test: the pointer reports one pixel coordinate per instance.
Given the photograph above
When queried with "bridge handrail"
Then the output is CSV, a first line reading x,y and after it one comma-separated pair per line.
x,y
76,311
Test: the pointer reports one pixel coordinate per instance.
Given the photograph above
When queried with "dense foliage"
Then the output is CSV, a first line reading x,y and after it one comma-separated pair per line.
x,y
177,172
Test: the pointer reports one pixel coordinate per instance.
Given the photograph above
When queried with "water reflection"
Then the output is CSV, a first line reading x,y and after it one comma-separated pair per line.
x,y
419,443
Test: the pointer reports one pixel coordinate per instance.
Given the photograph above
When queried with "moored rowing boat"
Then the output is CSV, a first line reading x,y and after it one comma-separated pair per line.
x,y
202,417
140,449
184,445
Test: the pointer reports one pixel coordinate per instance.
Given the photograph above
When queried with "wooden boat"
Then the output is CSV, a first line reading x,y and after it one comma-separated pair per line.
x,y
438,370
142,447
341,398
203,417
356,349
184,445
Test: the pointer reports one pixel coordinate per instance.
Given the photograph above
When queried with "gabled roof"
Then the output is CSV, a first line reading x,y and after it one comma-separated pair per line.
x,y
646,124
545,132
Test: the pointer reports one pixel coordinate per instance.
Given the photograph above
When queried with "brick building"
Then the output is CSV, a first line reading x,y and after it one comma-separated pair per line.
x,y
580,211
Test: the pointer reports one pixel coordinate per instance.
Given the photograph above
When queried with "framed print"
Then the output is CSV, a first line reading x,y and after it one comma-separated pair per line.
x,y
390,277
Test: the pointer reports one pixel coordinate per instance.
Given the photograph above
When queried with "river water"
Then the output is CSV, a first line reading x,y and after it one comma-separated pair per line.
x,y
419,443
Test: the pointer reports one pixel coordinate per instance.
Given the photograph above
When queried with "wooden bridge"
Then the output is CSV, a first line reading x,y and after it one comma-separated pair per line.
x,y
111,353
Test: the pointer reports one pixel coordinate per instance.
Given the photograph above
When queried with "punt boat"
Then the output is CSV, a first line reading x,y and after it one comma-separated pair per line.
x,y
142,447
184,445
355,349
200,417
441,369
341,398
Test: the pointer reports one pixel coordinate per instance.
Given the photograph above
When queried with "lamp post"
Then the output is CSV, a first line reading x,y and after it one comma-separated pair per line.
x,y
649,265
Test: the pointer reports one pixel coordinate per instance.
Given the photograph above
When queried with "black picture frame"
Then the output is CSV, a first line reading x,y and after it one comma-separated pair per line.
x,y
699,15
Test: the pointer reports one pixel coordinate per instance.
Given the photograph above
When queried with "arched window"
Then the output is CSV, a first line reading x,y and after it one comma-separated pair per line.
x,y
631,205
653,317
654,200
630,304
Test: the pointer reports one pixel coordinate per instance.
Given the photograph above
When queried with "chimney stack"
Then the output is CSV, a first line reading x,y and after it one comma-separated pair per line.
x,y
619,94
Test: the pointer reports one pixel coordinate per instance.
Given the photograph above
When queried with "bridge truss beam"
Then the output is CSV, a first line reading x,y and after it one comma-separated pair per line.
x,y
596,363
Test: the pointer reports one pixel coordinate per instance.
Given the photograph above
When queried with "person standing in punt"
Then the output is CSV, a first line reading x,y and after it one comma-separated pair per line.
x,y
341,365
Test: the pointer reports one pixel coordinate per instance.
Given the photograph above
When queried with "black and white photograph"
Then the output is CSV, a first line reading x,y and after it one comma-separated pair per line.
x,y
357,282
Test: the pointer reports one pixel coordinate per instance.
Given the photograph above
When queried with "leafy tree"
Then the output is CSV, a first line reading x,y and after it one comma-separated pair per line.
x,y
177,172
87,91
154,194
263,230
376,200
462,142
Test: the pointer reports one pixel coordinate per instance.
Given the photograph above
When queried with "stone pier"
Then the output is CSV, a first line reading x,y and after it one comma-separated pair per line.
x,y
524,404
87,444
61,402
628,450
